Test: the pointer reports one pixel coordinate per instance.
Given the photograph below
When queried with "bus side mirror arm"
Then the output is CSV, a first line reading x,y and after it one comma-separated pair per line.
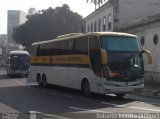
x,y
148,55
103,56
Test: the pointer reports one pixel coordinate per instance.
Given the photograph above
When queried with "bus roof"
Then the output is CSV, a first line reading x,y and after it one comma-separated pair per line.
x,y
18,52
75,35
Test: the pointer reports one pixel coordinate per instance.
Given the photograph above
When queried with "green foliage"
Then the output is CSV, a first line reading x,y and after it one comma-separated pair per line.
x,y
97,2
47,24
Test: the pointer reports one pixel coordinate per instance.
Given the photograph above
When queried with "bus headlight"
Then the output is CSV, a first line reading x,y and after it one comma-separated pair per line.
x,y
108,73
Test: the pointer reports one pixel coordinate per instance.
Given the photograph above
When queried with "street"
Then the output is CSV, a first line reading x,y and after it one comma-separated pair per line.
x,y
24,97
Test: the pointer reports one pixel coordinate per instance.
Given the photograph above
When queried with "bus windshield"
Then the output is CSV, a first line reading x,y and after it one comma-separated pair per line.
x,y
17,61
113,43
124,58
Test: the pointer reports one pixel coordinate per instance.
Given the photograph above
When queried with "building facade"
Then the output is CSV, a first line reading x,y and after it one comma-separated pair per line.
x,y
116,14
3,47
15,18
139,17
148,32
3,40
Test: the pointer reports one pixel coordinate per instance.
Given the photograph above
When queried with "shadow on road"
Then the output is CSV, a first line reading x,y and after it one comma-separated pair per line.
x,y
24,99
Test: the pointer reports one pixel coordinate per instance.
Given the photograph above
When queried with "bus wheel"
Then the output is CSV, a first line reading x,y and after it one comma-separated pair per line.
x,y
44,81
7,72
39,80
119,96
85,88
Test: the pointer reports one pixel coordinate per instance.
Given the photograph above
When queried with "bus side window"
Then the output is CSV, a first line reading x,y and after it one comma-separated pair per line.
x,y
81,45
95,55
34,50
38,51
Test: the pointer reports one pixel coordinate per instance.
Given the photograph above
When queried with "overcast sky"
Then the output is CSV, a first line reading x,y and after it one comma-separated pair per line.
x,y
79,6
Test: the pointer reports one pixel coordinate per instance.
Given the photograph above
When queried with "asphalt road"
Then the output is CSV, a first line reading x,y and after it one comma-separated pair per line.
x,y
23,98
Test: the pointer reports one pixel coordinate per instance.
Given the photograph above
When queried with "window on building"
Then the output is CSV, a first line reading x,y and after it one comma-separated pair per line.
x,y
109,22
99,25
142,40
91,27
88,28
155,39
95,26
104,23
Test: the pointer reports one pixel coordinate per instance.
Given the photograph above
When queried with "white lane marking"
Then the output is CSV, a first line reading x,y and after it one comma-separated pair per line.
x,y
53,93
43,91
31,84
90,110
35,89
112,104
32,115
19,82
133,107
148,109
28,86
68,96
85,99
50,115
25,84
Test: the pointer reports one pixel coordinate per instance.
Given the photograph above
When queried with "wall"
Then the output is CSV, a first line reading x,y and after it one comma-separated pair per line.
x,y
132,10
148,31
99,14
15,18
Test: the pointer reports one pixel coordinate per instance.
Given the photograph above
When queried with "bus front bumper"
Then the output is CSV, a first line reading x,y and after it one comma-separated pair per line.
x,y
124,90
20,73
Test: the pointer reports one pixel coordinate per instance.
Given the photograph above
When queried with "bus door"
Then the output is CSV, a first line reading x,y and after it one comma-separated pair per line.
x,y
95,55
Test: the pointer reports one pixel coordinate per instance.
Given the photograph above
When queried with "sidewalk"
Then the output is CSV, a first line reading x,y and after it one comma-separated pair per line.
x,y
151,90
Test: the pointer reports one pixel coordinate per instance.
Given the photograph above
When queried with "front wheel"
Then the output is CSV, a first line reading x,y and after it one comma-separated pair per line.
x,y
85,88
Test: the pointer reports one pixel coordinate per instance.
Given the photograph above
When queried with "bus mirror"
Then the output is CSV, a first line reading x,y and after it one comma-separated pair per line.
x,y
103,56
148,55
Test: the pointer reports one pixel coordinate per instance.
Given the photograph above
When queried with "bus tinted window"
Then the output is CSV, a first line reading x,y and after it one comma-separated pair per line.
x,y
65,47
81,45
34,50
19,60
54,48
113,43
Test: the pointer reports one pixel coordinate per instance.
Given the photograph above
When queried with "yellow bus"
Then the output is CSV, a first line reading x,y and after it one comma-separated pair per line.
x,y
99,62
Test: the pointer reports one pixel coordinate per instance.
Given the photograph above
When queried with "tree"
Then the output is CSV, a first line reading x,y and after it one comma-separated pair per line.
x,y
97,2
47,24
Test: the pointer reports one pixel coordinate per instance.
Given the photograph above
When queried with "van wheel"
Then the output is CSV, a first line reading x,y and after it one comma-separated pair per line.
x,y
39,80
44,81
85,88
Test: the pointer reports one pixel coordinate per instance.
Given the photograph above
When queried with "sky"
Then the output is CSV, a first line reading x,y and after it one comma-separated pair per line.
x,y
79,6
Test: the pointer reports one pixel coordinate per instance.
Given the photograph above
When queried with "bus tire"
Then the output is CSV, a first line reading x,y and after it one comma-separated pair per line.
x,y
7,73
44,80
85,87
39,80
119,96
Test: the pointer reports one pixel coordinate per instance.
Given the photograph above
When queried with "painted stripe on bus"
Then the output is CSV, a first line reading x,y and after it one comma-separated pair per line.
x,y
61,65
62,59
